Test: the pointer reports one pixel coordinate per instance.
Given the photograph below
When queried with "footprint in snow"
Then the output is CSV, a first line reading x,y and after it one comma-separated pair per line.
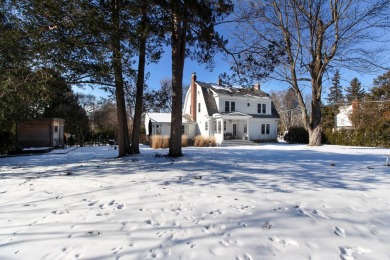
x,y
116,250
191,244
285,241
93,203
245,256
350,253
339,231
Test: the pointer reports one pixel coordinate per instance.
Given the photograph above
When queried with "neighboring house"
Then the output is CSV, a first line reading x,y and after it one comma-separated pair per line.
x,y
44,132
343,118
223,112
160,124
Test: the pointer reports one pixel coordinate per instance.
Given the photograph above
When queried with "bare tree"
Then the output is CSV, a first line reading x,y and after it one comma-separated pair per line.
x,y
287,105
297,41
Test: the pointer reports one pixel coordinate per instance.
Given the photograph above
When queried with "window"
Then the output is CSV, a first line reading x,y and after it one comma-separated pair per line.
x,y
215,126
262,108
219,127
199,107
245,128
265,129
158,129
224,125
248,104
183,130
56,129
206,126
230,106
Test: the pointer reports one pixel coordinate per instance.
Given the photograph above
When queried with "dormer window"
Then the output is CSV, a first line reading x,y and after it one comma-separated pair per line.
x,y
230,106
262,108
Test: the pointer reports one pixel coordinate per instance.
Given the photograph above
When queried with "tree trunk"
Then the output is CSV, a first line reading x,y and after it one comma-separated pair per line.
x,y
315,128
123,132
179,27
134,149
315,136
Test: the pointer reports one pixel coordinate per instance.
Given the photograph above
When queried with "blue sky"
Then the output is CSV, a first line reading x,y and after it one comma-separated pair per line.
x,y
163,70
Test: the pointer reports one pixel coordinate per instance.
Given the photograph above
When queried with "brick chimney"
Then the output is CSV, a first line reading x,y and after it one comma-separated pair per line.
x,y
219,82
193,97
256,86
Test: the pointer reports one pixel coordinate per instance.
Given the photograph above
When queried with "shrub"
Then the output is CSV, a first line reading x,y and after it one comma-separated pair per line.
x,y
212,141
184,141
156,141
297,135
198,141
165,142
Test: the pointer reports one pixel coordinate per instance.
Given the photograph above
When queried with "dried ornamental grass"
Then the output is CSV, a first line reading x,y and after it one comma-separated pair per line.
x,y
184,141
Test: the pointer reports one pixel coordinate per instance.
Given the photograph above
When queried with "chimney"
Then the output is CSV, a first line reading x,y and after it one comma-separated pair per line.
x,y
193,97
219,82
256,86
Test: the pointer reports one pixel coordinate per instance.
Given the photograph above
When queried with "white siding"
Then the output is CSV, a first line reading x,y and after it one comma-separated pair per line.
x,y
241,104
254,129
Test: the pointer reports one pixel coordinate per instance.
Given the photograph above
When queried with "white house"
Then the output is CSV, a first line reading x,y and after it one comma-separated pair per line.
x,y
223,112
342,118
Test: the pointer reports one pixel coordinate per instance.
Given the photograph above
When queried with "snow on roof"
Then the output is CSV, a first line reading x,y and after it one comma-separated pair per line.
x,y
165,118
160,117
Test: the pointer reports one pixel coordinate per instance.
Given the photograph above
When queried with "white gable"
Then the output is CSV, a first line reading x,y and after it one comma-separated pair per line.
x,y
160,117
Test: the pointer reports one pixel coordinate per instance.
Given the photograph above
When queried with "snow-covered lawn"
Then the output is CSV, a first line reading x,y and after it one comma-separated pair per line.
x,y
272,201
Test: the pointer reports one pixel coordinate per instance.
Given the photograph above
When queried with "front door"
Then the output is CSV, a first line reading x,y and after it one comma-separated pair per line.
x,y
234,130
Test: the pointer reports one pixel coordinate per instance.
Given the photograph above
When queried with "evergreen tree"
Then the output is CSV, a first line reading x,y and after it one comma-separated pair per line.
x,y
381,89
190,24
354,91
335,95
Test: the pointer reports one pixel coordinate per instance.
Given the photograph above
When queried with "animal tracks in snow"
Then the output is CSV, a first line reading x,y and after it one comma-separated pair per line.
x,y
113,205
350,253
339,231
284,241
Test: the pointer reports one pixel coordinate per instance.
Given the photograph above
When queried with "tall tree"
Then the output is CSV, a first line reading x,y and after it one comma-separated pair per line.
x,y
381,88
99,52
287,105
296,41
190,23
335,96
354,91
148,37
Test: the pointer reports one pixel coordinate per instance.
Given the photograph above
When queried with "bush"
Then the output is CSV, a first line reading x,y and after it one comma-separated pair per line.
x,y
165,142
6,142
297,135
184,141
156,141
360,137
212,141
201,141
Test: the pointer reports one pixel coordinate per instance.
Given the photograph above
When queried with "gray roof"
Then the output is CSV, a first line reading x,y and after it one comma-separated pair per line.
x,y
224,90
233,91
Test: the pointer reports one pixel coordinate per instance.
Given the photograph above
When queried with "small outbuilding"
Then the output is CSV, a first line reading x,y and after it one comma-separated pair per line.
x,y
42,132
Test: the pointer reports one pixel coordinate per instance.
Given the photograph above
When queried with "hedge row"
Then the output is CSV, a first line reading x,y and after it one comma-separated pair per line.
x,y
360,137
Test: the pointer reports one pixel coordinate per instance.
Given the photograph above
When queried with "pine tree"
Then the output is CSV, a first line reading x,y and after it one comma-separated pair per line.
x,y
354,91
335,95
381,89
